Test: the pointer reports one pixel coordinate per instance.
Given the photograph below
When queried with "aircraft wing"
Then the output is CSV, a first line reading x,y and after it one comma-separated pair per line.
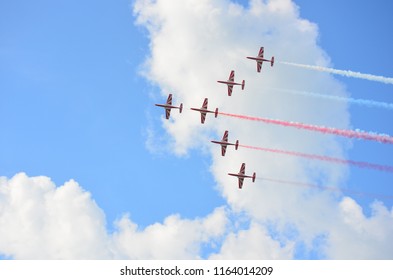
x,y
241,180
261,51
231,76
167,113
259,66
169,100
203,117
204,106
225,137
223,149
242,169
230,88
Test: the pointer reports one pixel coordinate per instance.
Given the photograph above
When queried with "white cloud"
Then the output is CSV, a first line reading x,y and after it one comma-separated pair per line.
x,y
41,221
174,239
359,237
253,243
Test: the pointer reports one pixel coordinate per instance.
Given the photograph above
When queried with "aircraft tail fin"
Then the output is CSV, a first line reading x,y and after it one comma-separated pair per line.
x,y
243,84
272,61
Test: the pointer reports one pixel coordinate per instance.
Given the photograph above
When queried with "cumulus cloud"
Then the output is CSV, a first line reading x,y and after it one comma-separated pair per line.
x,y
174,239
359,237
253,243
41,221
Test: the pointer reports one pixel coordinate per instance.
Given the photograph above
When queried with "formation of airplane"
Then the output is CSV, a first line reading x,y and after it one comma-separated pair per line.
x,y
231,82
168,106
259,59
241,176
224,143
203,110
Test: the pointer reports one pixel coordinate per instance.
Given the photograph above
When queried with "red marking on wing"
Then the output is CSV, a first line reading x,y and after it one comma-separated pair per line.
x,y
223,150
261,50
230,88
232,76
259,66
241,180
169,100
242,169
203,117
225,137
167,113
204,106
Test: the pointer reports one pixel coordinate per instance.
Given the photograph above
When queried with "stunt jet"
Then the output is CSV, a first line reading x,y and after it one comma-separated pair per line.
x,y
204,111
230,83
168,106
259,59
241,175
224,143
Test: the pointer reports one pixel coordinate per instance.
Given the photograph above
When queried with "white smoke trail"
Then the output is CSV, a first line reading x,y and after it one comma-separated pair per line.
x,y
364,102
346,73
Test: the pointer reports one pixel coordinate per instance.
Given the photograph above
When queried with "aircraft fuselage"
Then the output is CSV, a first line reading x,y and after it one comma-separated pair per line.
x,y
229,83
258,58
166,106
202,110
240,175
222,143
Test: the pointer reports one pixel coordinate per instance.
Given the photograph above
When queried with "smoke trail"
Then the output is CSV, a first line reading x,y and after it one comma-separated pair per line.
x,y
301,184
364,102
383,138
361,164
346,73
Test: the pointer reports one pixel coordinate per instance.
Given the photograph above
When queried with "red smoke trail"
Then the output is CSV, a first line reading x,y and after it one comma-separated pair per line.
x,y
361,164
301,184
383,138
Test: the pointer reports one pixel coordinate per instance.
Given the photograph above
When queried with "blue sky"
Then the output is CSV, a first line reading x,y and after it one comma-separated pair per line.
x,y
77,108
359,44
74,105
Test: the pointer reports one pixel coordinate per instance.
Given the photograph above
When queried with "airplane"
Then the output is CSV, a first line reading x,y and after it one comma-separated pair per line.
x,y
168,106
259,59
230,83
241,175
203,110
224,143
